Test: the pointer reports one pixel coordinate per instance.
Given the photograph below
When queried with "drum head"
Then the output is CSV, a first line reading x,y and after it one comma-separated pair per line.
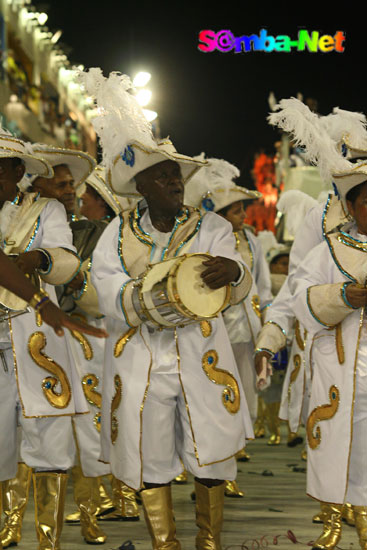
x,y
192,293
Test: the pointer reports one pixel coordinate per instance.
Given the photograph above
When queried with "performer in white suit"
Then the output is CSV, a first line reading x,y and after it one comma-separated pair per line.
x,y
168,394
36,229
330,298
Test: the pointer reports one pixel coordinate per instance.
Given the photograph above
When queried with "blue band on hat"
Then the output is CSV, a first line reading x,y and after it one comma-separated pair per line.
x,y
208,204
128,156
344,150
336,190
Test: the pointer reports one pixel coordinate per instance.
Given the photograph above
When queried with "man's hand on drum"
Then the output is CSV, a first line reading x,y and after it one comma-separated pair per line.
x,y
356,296
220,271
28,262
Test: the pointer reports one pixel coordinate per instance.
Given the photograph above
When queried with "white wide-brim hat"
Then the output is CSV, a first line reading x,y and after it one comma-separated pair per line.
x,y
11,147
345,181
222,197
276,251
80,164
97,180
354,150
138,157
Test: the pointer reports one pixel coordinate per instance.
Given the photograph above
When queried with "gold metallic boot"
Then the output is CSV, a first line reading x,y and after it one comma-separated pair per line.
x,y
348,514
360,516
158,512
273,422
86,495
232,490
181,479
320,517
105,504
49,498
332,527
124,503
259,427
242,456
15,497
209,516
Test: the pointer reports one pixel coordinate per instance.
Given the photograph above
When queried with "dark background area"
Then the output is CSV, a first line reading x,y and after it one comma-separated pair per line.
x,y
216,102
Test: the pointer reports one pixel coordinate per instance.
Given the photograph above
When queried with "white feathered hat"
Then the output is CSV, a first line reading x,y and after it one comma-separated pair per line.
x,y
12,147
348,130
125,134
213,187
80,164
295,117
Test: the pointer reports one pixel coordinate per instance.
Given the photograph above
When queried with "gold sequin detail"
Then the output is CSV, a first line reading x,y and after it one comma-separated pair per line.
x,y
114,406
255,302
60,400
121,342
323,412
97,421
339,343
81,338
301,341
230,395
297,362
90,383
206,328
38,318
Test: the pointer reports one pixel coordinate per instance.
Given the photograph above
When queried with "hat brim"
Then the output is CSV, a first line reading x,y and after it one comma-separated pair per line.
x,y
33,165
80,164
121,180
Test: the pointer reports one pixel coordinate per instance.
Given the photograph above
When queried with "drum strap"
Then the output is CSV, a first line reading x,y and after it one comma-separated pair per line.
x,y
135,246
20,232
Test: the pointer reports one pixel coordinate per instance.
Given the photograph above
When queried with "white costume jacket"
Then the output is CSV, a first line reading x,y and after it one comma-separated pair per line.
x,y
43,372
204,360
338,359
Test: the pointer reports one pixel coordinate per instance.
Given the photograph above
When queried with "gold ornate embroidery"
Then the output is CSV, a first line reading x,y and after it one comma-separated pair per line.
x,y
83,341
90,382
206,328
297,362
97,421
301,341
323,412
339,343
114,406
38,318
121,342
60,400
230,395
255,302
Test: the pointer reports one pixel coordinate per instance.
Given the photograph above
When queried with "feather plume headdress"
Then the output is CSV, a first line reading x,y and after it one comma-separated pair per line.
x,y
294,117
349,130
213,187
126,137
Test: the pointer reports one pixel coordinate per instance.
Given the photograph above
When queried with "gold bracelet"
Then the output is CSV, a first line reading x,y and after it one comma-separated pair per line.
x,y
38,299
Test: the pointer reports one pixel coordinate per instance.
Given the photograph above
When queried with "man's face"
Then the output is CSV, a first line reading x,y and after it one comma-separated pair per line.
x,y
162,187
358,209
60,187
92,206
10,174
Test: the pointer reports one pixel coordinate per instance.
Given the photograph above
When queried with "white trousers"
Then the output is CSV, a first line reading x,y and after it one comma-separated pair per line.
x,y
357,479
167,436
89,445
47,443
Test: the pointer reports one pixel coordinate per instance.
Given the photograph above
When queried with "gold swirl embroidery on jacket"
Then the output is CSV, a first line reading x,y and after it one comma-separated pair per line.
x,y
97,421
81,338
206,328
60,400
121,342
38,318
301,341
90,383
231,394
114,406
297,362
323,412
339,343
255,302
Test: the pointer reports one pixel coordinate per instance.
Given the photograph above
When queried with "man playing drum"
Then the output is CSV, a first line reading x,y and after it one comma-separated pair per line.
x,y
171,393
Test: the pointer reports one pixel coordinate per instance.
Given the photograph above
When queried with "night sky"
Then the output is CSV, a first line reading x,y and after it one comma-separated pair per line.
x,y
215,102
